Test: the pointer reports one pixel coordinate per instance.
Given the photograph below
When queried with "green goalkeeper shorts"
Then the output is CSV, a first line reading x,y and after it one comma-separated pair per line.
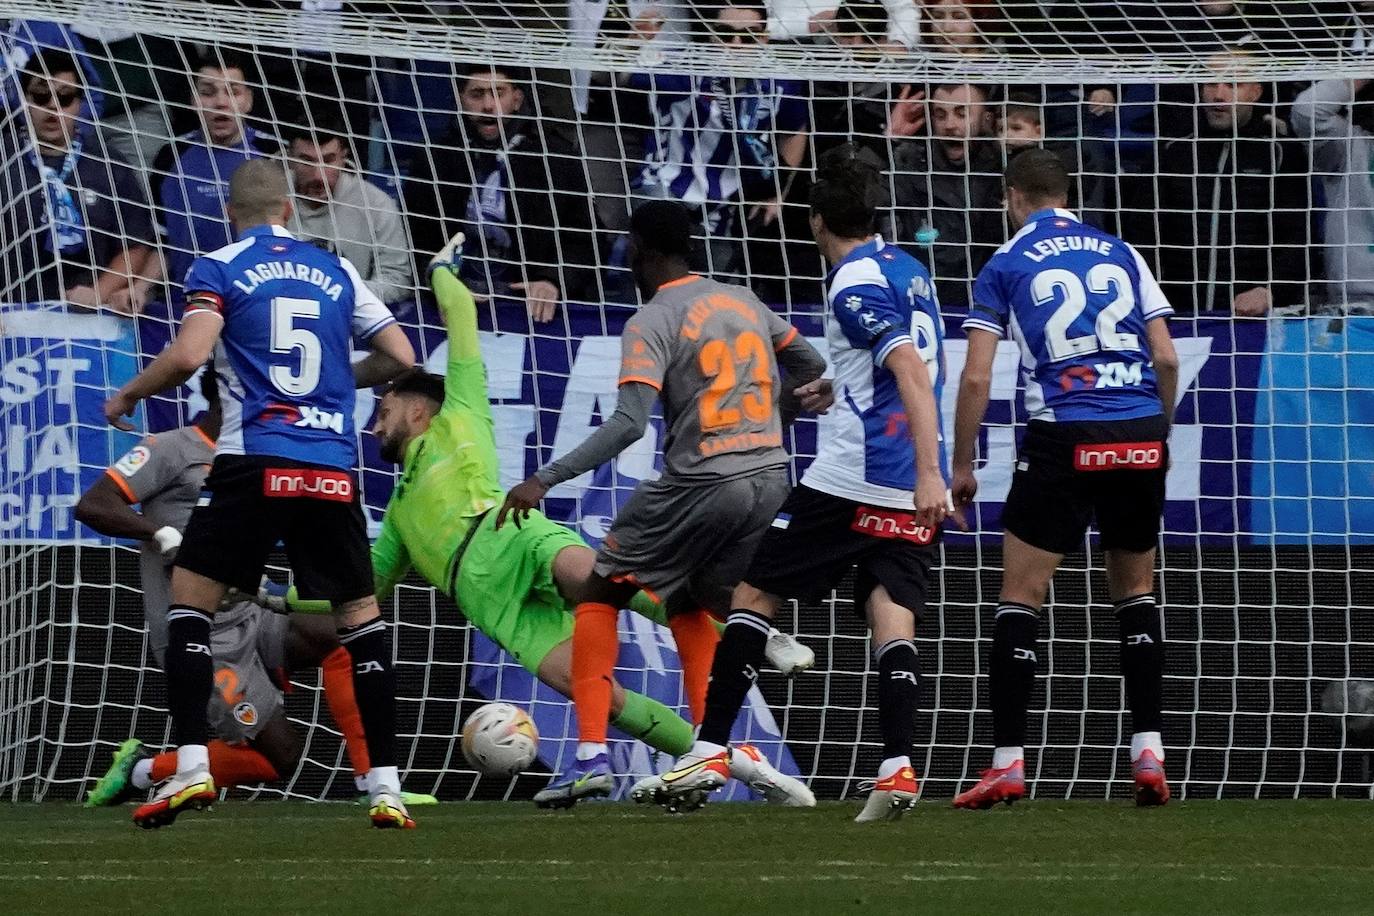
x,y
505,585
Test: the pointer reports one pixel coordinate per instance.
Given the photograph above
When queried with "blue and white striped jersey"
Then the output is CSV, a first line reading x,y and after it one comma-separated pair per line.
x,y
1076,301
879,298
284,360
715,139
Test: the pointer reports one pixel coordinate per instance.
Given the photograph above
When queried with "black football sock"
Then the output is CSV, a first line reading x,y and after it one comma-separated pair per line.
x,y
1142,660
1011,672
190,673
733,672
899,684
374,686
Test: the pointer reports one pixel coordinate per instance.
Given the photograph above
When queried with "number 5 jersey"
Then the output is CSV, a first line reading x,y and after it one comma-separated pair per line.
x,y
284,360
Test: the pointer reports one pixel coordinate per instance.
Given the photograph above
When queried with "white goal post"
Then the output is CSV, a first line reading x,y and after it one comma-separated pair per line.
x,y
1246,195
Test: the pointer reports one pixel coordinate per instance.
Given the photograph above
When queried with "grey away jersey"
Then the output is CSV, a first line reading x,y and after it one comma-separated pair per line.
x,y
163,474
710,350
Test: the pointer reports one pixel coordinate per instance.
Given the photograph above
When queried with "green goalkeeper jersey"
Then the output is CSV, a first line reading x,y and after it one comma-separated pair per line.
x,y
450,473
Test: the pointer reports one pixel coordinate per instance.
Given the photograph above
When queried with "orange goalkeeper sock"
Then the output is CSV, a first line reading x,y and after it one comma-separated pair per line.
x,y
696,637
230,765
595,647
343,706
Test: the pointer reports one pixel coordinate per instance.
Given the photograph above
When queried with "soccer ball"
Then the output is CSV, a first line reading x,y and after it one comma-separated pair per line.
x,y
500,740
1353,699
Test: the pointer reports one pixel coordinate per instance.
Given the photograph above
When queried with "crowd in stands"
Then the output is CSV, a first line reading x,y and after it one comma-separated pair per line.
x,y
1249,196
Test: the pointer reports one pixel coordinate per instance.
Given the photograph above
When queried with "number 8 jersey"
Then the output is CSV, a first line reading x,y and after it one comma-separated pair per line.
x,y
1077,301
880,297
284,360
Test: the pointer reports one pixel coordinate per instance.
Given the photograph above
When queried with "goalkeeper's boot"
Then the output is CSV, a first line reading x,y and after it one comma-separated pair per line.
x,y
649,791
591,778
1151,788
388,812
191,791
450,256
787,655
409,799
749,766
692,779
1005,785
117,785
891,797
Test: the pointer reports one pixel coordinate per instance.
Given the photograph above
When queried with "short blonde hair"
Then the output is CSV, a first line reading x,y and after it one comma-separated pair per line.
x,y
258,191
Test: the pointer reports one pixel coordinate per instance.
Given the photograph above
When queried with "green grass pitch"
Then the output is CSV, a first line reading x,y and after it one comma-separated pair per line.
x,y
1043,857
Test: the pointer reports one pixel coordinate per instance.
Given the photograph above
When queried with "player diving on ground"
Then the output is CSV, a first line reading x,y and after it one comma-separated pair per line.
x,y
252,647
512,583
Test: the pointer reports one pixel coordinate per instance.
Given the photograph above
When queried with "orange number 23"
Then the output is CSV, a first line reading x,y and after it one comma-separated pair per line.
x,y
721,362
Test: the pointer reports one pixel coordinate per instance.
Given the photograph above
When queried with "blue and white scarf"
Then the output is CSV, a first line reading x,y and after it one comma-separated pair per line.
x,y
68,227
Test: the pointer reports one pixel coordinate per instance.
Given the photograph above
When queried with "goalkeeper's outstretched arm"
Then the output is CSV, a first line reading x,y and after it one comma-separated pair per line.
x,y
462,386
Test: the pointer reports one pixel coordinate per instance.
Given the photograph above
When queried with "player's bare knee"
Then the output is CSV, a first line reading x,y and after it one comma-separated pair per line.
x,y
747,597
1027,572
556,668
309,639
191,589
1130,572
572,570
887,619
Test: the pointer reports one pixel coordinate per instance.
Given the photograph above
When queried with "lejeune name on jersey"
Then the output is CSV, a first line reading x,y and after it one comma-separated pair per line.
x,y
1063,244
258,274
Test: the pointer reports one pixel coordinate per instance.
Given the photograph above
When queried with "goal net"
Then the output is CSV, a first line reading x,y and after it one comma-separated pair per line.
x,y
1227,141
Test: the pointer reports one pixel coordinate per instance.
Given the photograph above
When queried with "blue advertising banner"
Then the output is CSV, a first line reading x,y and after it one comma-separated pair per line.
x,y
56,367
1313,450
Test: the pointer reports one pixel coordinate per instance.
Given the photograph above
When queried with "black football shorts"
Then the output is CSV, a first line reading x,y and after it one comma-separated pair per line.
x,y
251,503
816,537
1070,474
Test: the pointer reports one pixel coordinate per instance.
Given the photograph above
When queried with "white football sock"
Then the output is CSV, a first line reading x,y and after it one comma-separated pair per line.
x,y
892,765
383,778
142,776
705,749
360,783
1004,757
586,750
1147,741
190,756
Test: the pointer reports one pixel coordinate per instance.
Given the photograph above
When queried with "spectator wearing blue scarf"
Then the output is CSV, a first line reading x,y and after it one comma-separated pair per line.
x,y
82,227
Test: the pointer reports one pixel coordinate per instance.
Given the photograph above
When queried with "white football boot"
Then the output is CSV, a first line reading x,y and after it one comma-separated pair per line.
x,y
787,655
748,765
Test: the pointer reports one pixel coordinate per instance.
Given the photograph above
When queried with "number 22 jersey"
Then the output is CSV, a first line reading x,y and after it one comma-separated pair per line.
x,y
1076,300
284,360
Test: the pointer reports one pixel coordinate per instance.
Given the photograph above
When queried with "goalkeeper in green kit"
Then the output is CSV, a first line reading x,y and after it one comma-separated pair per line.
x,y
511,583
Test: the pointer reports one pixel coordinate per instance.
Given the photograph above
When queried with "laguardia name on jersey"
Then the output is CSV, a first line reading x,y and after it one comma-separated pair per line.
x,y
1076,300
880,297
291,312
